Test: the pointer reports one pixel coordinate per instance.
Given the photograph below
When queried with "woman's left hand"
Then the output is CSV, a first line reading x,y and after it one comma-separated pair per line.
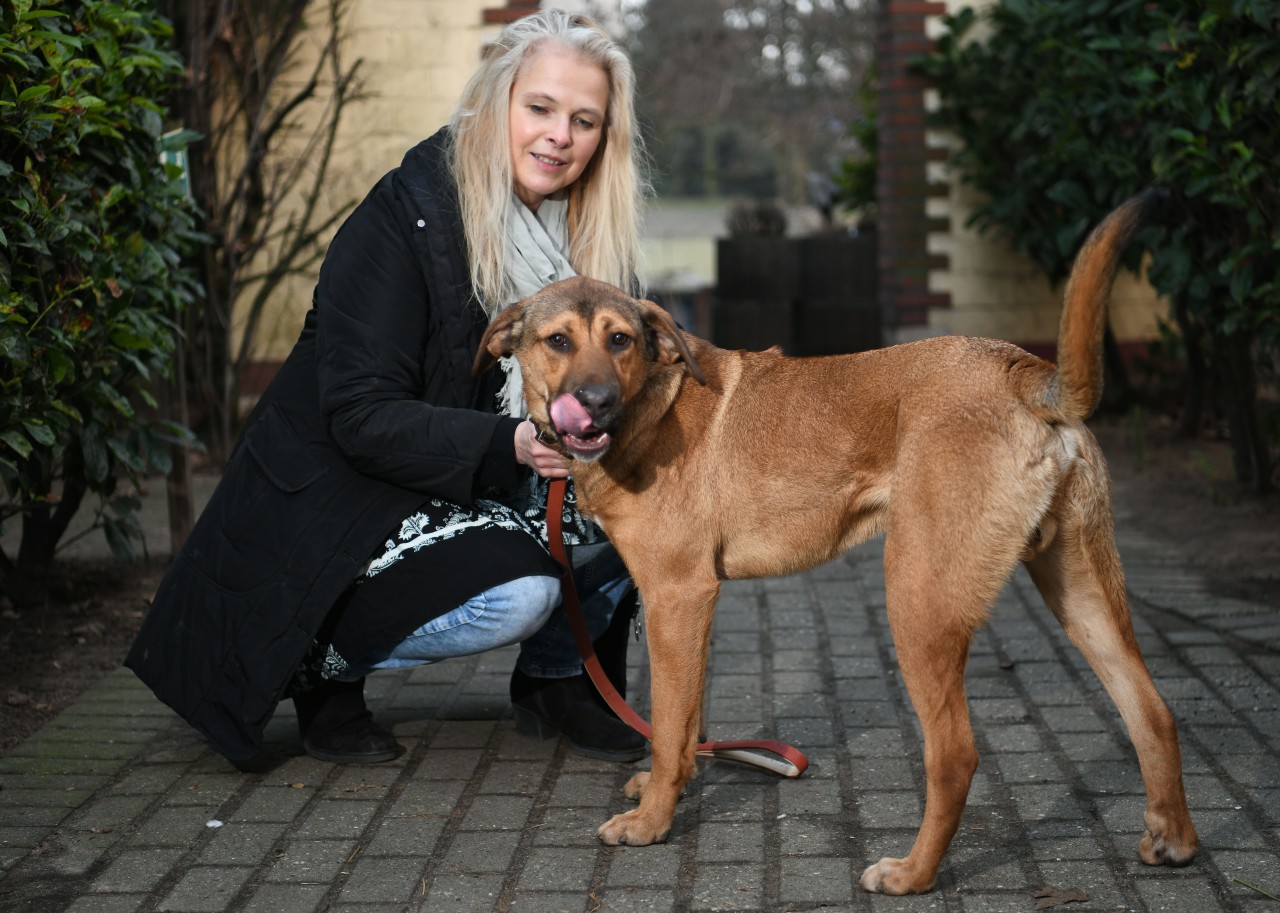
x,y
538,456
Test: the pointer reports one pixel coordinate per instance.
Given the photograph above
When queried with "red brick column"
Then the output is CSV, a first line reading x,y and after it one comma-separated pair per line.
x,y
513,10
902,185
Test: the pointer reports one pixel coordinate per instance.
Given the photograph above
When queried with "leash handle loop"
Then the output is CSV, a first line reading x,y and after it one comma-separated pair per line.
x,y
789,762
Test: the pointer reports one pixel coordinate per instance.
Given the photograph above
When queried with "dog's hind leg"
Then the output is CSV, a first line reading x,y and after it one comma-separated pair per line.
x,y
1080,577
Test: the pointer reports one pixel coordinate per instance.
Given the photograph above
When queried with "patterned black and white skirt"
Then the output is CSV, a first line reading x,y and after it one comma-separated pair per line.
x,y
434,560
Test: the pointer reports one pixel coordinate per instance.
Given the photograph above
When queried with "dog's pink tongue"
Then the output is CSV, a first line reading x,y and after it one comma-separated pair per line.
x,y
569,417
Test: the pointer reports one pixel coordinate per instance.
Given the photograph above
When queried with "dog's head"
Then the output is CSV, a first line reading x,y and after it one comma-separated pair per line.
x,y
586,350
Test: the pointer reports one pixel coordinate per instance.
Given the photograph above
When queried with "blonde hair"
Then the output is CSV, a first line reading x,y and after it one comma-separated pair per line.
x,y
603,204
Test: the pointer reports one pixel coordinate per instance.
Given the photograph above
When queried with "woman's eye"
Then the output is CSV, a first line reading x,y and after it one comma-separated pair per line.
x,y
586,124
538,109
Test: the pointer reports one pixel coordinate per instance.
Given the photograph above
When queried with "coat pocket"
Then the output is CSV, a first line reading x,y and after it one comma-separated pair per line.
x,y
280,454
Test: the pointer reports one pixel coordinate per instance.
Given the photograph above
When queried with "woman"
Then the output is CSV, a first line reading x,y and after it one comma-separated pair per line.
x,y
383,507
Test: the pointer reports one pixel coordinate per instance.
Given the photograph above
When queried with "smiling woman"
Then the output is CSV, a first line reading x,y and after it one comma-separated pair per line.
x,y
384,509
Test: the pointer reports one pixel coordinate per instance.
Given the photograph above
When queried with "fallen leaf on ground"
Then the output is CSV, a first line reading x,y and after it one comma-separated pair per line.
x,y
1049,896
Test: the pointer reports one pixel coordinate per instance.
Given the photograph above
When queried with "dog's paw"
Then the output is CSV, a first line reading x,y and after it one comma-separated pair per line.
x,y
895,876
1163,844
633,828
637,785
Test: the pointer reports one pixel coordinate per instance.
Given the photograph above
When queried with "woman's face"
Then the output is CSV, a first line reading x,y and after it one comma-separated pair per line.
x,y
555,121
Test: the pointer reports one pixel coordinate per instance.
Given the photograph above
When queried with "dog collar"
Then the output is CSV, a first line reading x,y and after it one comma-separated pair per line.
x,y
546,436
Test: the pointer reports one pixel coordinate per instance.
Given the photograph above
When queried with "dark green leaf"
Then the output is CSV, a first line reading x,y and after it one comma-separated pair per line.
x,y
34,93
120,538
40,433
17,442
96,464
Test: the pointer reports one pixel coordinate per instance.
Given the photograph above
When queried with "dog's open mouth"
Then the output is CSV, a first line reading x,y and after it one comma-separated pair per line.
x,y
590,444
577,430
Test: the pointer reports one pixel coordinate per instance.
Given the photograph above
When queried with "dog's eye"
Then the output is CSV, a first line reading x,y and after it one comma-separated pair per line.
x,y
558,341
619,341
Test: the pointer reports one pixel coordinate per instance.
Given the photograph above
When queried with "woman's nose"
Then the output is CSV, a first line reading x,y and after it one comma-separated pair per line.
x,y
560,134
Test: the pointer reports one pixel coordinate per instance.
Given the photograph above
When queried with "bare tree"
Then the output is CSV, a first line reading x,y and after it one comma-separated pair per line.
x,y
766,83
266,86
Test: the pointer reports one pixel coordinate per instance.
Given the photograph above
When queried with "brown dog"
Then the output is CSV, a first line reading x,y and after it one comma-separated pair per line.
x,y
705,465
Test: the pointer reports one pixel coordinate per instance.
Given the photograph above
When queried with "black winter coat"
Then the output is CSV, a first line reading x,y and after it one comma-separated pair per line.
x,y
374,408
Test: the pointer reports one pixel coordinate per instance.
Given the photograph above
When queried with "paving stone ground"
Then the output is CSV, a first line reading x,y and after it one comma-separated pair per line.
x,y
117,806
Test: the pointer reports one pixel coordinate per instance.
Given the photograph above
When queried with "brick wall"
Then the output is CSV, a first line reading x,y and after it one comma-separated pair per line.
x,y
510,12
903,187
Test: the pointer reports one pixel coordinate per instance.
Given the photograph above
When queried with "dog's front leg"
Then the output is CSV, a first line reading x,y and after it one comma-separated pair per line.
x,y
678,622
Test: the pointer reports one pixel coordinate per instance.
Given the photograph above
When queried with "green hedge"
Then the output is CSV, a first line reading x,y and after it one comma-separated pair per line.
x,y
93,228
1066,108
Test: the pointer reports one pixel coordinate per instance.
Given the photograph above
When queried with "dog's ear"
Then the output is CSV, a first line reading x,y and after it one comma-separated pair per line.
x,y
500,339
670,341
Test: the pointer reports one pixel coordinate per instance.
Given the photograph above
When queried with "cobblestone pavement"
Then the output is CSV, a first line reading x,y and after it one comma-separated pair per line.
x,y
115,805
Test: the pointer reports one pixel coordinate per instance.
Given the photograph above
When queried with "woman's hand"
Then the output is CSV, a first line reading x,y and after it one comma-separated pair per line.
x,y
538,456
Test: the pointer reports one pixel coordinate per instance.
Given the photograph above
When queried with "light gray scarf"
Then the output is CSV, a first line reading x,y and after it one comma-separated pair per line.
x,y
537,255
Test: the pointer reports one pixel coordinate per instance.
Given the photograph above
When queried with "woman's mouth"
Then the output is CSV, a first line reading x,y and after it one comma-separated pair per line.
x,y
548,160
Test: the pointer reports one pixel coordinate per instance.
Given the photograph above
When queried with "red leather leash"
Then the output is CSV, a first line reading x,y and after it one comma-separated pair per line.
x,y
789,762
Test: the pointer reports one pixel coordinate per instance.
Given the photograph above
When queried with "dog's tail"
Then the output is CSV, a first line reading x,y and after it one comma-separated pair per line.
x,y
1078,386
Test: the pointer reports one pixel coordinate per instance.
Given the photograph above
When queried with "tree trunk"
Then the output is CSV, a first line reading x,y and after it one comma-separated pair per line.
x,y
710,161
1250,450
173,402
27,582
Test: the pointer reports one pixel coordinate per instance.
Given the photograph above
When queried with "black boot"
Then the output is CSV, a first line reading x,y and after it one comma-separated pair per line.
x,y
336,726
573,708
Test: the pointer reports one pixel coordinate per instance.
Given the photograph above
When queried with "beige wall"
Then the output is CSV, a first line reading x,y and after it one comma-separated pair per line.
x,y
416,55
994,290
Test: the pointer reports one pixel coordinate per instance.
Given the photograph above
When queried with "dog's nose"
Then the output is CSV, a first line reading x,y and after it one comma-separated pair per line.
x,y
598,399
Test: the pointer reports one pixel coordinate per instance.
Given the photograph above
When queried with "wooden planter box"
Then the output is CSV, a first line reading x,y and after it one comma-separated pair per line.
x,y
811,296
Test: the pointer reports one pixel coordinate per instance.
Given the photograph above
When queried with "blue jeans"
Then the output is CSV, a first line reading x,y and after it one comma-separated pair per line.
x,y
527,611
